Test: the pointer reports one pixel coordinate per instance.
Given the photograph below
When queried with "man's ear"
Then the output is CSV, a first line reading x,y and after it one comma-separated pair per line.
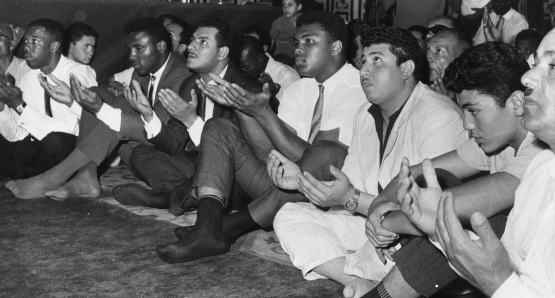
x,y
223,52
300,7
182,49
54,46
516,102
161,46
336,48
407,68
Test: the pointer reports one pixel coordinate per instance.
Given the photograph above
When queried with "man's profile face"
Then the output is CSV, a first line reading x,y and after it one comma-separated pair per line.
x,y
37,47
526,47
440,52
82,51
143,53
175,33
488,123
251,64
203,50
539,100
380,76
501,7
314,50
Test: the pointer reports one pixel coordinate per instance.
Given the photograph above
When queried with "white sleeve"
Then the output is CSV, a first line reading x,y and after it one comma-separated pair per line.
x,y
9,128
516,287
111,116
195,131
153,127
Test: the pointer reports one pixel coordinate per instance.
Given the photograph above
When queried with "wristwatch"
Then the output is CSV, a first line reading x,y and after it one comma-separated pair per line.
x,y
352,203
19,109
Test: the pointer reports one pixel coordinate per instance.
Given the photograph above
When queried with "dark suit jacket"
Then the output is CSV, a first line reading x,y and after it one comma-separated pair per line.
x,y
171,140
132,126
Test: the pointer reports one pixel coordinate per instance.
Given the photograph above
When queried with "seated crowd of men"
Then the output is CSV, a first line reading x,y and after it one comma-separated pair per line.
x,y
367,156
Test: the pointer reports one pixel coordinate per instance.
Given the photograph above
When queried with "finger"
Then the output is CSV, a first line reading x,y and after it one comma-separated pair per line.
x,y
407,206
279,156
217,79
381,255
319,188
429,173
441,230
452,223
388,254
309,186
483,229
76,89
338,174
313,199
194,98
137,87
55,79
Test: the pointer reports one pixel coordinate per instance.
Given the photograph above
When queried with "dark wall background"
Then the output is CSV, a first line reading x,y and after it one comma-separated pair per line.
x,y
109,17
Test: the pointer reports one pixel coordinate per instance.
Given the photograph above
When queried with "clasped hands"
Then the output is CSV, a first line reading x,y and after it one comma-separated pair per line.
x,y
232,95
10,94
491,31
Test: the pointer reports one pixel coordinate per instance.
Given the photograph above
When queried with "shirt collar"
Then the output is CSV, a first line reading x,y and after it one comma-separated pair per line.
x,y
507,15
336,78
271,62
63,60
159,72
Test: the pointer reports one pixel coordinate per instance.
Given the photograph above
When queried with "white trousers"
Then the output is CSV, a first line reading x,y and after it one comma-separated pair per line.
x,y
313,237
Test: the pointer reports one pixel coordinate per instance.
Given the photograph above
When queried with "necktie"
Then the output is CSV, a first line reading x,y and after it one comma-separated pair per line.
x,y
151,91
317,116
47,108
498,23
203,106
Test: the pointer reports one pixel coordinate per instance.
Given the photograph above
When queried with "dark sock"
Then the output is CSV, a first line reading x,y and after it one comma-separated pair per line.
x,y
205,239
378,292
135,195
238,223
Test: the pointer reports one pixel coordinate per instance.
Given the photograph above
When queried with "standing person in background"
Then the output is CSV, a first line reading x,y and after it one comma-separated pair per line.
x,y
284,28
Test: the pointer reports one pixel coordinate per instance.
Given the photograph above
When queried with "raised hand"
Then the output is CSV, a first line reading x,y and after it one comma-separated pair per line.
x,y
243,100
265,78
214,92
10,94
419,204
317,192
439,87
492,32
484,262
88,99
59,92
375,232
138,100
184,111
116,88
283,171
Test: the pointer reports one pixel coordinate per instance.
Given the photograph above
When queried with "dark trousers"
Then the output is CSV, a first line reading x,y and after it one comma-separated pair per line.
x,y
227,163
30,157
425,268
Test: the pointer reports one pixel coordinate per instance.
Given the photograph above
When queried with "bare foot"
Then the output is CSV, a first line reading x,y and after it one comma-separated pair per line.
x,y
358,288
31,188
84,185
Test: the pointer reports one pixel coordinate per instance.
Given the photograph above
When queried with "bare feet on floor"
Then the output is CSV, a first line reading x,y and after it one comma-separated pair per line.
x,y
31,188
84,185
358,288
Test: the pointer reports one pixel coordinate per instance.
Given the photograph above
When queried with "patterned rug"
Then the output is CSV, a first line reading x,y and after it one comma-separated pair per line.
x,y
260,243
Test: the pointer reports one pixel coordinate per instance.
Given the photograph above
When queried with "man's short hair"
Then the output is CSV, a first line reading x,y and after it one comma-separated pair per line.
x,y
249,43
163,17
461,40
331,23
224,37
76,31
491,68
529,34
299,2
402,44
53,28
420,29
153,28
264,36
186,33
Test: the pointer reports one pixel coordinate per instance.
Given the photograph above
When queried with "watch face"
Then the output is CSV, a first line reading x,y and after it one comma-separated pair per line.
x,y
351,205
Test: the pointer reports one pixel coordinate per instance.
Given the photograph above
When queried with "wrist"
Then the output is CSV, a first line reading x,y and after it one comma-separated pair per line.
x,y
148,117
189,121
262,113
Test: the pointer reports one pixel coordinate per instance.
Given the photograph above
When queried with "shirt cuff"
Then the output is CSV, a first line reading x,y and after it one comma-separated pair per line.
x,y
153,127
195,131
5,114
110,116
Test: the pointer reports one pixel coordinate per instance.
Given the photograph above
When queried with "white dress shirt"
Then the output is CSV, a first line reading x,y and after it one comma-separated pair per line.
x,y
530,234
124,76
112,116
343,95
18,68
514,23
33,120
154,127
280,73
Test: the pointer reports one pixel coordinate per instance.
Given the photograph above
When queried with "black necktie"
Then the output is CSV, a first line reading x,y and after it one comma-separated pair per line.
x,y
151,91
317,116
203,106
47,108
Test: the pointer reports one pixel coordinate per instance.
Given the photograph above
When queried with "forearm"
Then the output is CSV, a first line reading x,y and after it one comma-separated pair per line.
x,y
282,138
397,222
254,136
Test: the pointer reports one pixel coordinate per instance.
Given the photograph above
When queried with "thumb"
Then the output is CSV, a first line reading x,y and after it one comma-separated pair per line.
x,y
194,98
429,173
279,156
482,228
338,174
266,89
55,79
137,87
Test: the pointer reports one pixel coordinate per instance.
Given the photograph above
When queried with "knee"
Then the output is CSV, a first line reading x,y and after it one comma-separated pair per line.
x,y
56,143
285,219
217,127
139,159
